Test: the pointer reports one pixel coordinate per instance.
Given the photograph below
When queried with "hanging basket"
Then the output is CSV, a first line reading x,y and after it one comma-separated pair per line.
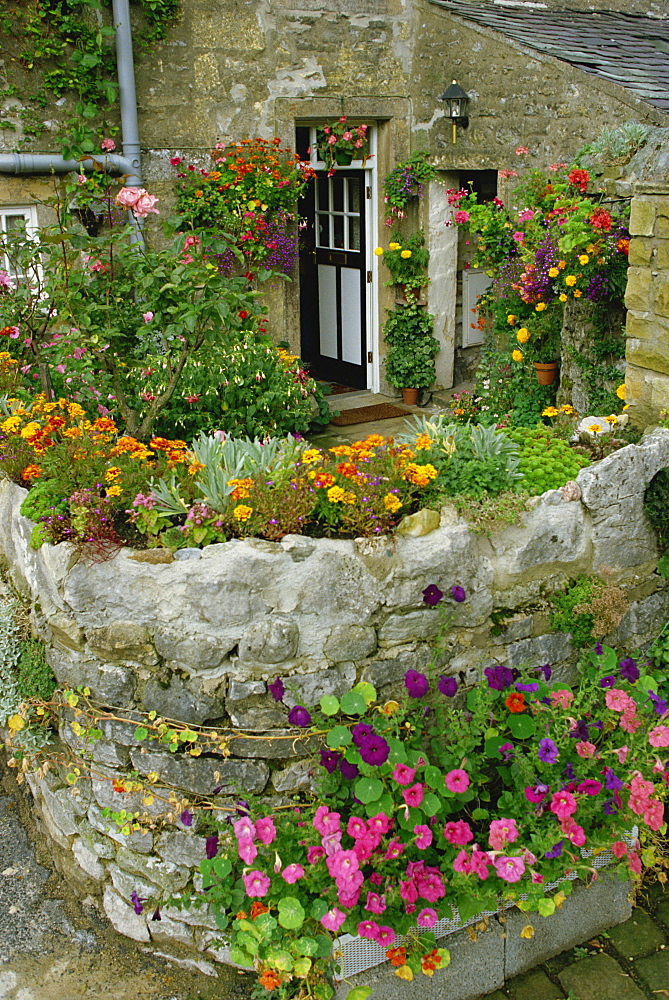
x,y
547,372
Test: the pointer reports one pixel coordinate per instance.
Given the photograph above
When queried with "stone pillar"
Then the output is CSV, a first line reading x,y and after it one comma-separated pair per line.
x,y
647,301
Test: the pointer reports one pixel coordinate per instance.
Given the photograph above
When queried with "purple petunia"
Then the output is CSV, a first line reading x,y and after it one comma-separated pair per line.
x,y
416,684
499,677
629,670
211,846
599,649
458,594
330,760
375,750
447,686
137,902
607,682
610,807
659,704
569,771
432,595
548,752
612,781
348,771
555,851
546,671
532,686
277,689
579,731
186,818
156,914
299,716
361,733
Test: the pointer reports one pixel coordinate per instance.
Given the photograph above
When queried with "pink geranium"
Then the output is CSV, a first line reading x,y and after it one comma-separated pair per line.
x,y
458,832
333,919
256,883
461,217
457,781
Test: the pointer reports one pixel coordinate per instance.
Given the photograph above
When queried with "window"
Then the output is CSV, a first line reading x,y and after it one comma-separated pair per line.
x,y
14,219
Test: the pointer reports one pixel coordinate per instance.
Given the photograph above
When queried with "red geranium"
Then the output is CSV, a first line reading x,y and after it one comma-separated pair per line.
x,y
579,178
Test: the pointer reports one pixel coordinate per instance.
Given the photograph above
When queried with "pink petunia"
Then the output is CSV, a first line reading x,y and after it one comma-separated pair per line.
x,y
147,316
509,869
563,804
314,853
380,823
659,737
619,701
414,796
585,749
423,836
385,937
562,698
256,883
457,781
427,917
375,903
403,775
244,829
368,929
247,850
325,821
502,832
342,863
333,919
394,850
292,873
619,849
458,832
356,827
265,830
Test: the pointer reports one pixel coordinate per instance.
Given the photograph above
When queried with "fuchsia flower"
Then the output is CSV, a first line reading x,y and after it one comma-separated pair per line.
x,y
457,781
256,883
333,919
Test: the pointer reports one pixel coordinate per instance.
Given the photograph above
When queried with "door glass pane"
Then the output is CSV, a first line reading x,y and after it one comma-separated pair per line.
x,y
338,193
338,232
322,193
323,230
353,195
354,232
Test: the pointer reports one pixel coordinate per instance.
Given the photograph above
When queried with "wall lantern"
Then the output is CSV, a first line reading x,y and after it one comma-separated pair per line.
x,y
456,106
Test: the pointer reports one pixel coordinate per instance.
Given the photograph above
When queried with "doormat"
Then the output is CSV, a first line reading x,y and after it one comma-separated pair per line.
x,y
366,414
336,389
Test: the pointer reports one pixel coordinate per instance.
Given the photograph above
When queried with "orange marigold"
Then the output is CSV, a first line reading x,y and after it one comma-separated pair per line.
x,y
348,469
31,472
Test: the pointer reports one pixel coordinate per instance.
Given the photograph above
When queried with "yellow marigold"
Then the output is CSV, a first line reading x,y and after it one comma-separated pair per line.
x,y
562,264
391,502
540,306
336,494
563,297
595,428
406,254
590,248
374,440
517,355
621,391
511,319
349,497
419,475
394,246
550,411
11,424
195,467
311,455
378,251
73,409
31,430
577,293
611,419
364,453
242,512
423,442
164,444
523,335
341,449
570,280
568,409
114,491
112,473
31,472
103,425
553,272
583,259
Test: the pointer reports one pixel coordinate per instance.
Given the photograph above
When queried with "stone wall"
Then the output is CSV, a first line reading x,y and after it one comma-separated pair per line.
x,y
196,637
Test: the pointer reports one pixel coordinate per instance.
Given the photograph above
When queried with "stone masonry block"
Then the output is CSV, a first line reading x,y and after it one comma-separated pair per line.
x,y
599,976
638,285
642,216
641,252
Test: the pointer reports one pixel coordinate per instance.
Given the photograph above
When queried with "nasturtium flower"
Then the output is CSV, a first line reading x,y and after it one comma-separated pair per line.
x,y
515,702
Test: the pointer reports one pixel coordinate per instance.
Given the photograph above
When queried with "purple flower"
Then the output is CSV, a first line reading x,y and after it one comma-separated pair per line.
x,y
629,670
506,751
375,750
186,818
211,846
330,760
546,671
299,716
361,733
458,594
548,752
580,730
499,677
348,771
432,595
610,807
659,704
612,781
569,771
607,682
137,902
277,689
533,686
555,851
447,686
416,684
599,649
156,914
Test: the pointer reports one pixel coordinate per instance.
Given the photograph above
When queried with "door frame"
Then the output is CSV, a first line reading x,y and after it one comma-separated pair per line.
x,y
371,265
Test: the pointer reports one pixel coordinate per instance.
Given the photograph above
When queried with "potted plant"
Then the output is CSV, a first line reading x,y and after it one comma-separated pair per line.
x,y
406,181
339,143
407,261
539,339
410,359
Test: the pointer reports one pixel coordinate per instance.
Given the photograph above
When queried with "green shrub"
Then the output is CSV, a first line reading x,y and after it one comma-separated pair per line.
x,y
588,609
656,506
546,461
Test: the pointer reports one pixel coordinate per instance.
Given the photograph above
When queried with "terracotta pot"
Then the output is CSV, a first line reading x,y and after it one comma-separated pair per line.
x,y
546,373
410,396
413,295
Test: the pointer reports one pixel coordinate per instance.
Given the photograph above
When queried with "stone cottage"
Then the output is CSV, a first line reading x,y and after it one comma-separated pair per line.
x,y
545,76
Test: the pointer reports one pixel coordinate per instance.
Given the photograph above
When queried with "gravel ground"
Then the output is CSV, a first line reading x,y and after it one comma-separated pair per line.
x,y
54,948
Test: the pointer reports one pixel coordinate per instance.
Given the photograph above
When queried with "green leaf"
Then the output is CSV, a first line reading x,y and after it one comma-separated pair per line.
x,y
249,942
398,754
368,789
318,908
383,805
492,746
307,945
479,814
353,703
431,804
340,736
663,565
329,704
240,957
522,726
279,958
546,907
291,913
222,867
324,946
468,906
367,690
433,777
301,967
359,993
141,733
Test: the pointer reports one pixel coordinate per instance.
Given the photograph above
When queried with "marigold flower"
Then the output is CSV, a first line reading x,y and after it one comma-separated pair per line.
x,y
114,491
517,356
511,319
595,428
570,280
577,293
112,473
523,335
378,251
394,246
405,254
583,259
563,297
242,512
540,306
621,391
31,472
11,425
391,502
311,455
553,272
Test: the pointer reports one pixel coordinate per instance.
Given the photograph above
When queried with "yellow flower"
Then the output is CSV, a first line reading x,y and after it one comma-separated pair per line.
x,y
74,409
621,391
540,306
195,467
379,251
423,442
511,319
336,494
595,428
553,272
563,297
11,425
112,473
340,449
523,335
577,293
113,491
590,248
391,502
517,355
394,246
373,440
550,411
419,475
311,455
562,264
583,259
570,280
406,254
568,409
612,419
242,512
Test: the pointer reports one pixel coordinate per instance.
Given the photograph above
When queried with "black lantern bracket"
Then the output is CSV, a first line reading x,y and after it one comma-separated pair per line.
x,y
456,106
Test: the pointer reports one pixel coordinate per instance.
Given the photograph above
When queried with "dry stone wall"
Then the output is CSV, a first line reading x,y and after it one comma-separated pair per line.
x,y
197,639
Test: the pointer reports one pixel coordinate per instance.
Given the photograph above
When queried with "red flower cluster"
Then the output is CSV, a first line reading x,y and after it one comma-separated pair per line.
x,y
579,178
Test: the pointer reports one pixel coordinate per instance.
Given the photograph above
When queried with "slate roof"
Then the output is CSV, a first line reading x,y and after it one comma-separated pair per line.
x,y
629,49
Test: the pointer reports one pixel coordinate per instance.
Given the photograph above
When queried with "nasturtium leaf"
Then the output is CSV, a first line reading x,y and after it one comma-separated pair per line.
x,y
367,690
472,699
222,867
383,805
522,726
433,777
239,957
468,906
339,736
546,907
368,789
329,704
324,946
398,754
301,967
307,945
248,942
353,703
291,913
359,993
265,923
318,908
141,733
431,804
279,958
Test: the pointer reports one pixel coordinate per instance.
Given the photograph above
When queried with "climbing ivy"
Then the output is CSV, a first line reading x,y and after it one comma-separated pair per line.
x,y
68,44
